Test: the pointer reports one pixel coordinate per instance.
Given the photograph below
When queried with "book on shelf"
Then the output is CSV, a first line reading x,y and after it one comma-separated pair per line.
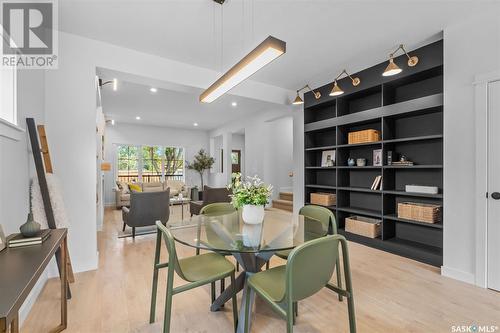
x,y
377,183
402,163
17,240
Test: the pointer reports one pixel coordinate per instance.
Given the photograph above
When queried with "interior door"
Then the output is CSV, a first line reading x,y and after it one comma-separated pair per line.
x,y
493,186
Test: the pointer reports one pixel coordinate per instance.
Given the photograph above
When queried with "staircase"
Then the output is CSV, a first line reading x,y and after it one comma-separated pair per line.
x,y
285,201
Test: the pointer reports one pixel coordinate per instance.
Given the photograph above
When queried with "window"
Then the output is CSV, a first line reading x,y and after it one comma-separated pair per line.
x,y
150,163
8,95
128,163
174,163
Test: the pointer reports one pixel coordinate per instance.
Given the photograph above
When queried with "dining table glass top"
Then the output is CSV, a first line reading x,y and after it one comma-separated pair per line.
x,y
227,232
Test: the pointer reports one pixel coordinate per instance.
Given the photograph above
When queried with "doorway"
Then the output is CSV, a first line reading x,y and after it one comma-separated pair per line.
x,y
493,183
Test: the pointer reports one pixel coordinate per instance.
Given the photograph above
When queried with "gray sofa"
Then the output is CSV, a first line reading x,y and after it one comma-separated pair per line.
x,y
145,209
122,191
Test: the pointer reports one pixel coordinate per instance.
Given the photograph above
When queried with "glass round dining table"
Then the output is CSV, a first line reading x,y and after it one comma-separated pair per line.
x,y
252,245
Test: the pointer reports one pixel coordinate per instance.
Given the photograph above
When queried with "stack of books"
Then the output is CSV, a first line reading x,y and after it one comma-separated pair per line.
x,y
18,240
402,163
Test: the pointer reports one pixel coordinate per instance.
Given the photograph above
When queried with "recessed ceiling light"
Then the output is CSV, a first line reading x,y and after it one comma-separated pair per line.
x,y
234,104
112,122
137,118
195,124
153,90
115,84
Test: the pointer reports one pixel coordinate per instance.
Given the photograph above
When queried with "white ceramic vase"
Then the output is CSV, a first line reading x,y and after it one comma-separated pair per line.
x,y
252,214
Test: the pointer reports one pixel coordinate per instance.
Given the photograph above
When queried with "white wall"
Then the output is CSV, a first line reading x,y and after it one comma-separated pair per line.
x,y
191,140
268,148
16,164
470,48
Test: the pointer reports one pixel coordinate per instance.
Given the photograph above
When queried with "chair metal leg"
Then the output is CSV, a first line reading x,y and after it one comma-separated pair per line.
x,y
154,291
168,299
235,302
348,284
133,232
248,313
290,318
237,266
124,225
222,287
212,291
339,278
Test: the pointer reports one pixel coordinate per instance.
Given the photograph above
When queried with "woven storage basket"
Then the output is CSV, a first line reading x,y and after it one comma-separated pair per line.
x,y
323,199
369,135
363,226
419,212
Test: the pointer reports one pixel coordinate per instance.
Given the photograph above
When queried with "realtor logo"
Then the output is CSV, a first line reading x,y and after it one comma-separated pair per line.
x,y
29,34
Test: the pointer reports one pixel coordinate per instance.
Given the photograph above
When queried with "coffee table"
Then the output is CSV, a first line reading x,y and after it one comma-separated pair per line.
x,y
180,201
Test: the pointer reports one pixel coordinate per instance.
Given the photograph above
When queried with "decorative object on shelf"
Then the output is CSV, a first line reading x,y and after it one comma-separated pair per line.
x,y
336,90
361,162
363,226
19,240
377,183
267,51
351,161
328,158
105,166
298,100
2,239
377,157
403,161
30,227
416,211
252,195
389,157
392,68
422,189
364,136
202,161
323,199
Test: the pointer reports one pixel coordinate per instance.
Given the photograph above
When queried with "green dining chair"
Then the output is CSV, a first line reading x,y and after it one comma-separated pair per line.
x,y
309,269
196,270
214,209
322,222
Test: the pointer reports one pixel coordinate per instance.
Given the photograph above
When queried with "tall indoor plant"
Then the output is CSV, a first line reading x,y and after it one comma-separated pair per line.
x,y
252,196
202,161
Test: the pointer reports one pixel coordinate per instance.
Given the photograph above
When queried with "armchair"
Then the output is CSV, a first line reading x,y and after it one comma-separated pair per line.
x,y
210,195
145,209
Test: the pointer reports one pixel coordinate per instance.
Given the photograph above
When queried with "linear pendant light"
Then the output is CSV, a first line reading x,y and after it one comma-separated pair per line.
x,y
270,49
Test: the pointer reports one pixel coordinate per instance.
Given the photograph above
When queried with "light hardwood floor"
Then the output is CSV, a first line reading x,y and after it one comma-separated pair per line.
x,y
392,294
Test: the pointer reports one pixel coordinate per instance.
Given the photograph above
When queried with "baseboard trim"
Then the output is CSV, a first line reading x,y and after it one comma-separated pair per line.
x,y
458,274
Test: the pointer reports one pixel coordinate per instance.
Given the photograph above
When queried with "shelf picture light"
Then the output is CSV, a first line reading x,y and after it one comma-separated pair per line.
x,y
392,68
336,90
267,51
298,100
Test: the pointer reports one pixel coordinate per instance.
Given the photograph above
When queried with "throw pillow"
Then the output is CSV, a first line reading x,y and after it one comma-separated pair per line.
x,y
135,187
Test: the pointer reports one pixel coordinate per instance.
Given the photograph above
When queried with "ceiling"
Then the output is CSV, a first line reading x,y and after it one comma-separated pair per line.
x,y
322,36
170,108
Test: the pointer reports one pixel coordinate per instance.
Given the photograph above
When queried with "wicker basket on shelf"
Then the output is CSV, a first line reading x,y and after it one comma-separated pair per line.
x,y
420,212
369,135
323,199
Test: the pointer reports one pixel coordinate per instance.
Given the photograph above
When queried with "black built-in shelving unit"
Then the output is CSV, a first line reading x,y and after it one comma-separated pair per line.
x,y
408,111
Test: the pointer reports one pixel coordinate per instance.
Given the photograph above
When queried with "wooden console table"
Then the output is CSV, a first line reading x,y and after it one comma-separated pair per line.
x,y
20,269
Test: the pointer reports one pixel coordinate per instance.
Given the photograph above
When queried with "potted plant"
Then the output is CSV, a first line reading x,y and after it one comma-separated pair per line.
x,y
202,161
251,196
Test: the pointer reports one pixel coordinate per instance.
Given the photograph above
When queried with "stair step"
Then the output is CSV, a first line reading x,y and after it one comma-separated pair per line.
x,y
286,196
283,204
